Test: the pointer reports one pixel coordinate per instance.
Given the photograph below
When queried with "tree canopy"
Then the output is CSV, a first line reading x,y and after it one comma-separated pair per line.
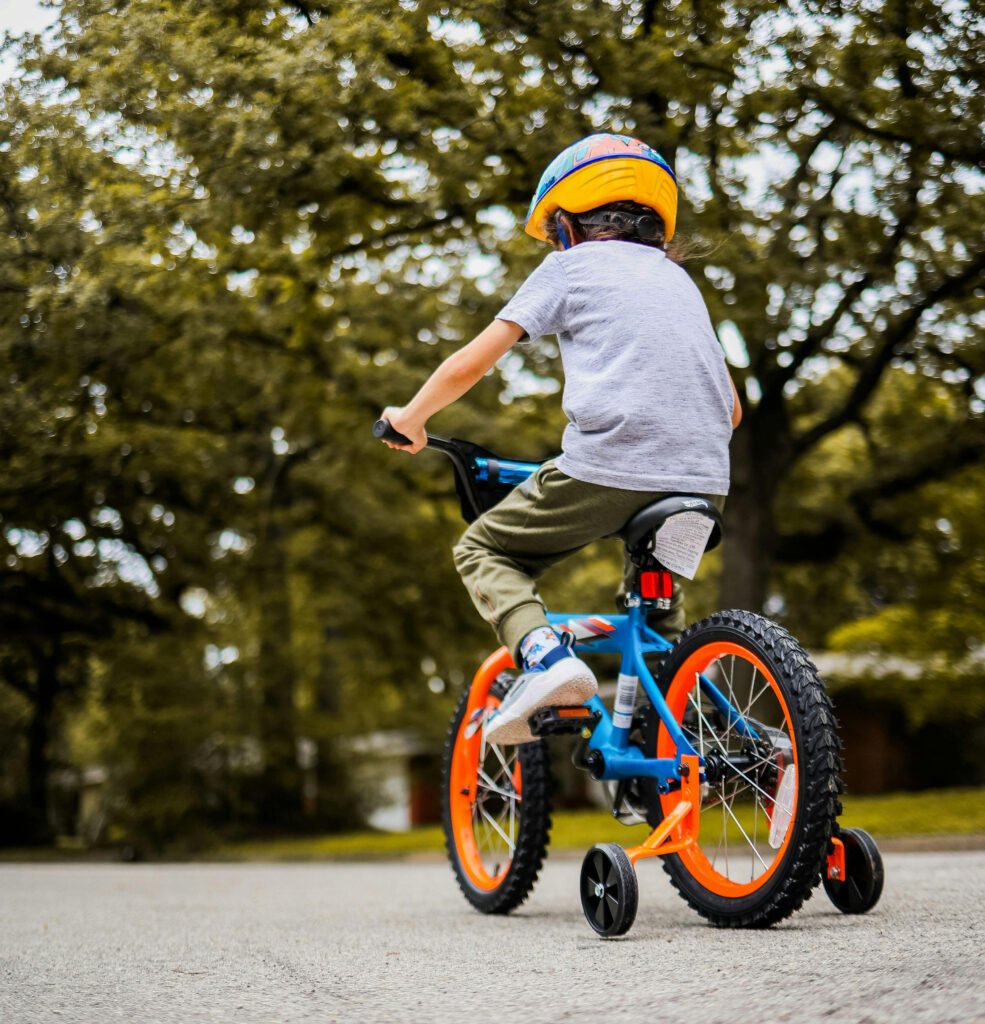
x,y
231,232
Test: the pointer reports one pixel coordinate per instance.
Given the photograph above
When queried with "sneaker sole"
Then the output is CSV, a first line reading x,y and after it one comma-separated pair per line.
x,y
573,686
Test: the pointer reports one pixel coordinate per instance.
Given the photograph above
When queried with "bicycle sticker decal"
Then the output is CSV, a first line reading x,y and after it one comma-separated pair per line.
x,y
622,713
586,630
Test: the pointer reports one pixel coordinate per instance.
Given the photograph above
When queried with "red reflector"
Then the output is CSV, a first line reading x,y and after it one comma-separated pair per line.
x,y
656,585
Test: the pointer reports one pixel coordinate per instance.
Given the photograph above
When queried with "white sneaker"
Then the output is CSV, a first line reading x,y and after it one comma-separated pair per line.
x,y
568,681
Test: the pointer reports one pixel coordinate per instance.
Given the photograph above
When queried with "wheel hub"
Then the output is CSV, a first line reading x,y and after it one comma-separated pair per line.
x,y
599,890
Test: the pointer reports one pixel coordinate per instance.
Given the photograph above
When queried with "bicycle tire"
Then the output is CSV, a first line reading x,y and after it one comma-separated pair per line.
x,y
804,819
503,890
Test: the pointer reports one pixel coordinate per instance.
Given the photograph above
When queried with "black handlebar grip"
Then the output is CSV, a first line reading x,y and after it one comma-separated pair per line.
x,y
383,430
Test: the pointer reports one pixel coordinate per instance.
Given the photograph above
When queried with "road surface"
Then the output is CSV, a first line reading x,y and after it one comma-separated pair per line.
x,y
271,943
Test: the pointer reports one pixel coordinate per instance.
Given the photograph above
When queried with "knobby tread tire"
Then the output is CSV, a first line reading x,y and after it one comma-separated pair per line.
x,y
534,833
820,766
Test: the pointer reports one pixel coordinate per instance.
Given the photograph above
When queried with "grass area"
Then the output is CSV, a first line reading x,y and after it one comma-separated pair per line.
x,y
940,812
950,812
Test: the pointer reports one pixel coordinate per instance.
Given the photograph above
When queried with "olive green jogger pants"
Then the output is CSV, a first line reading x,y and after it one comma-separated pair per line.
x,y
547,518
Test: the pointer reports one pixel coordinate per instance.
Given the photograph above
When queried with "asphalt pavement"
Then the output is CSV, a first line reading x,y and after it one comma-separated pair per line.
x,y
271,943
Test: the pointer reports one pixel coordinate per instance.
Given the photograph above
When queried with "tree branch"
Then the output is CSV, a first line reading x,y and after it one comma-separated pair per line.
x,y
774,380
949,150
890,346
825,544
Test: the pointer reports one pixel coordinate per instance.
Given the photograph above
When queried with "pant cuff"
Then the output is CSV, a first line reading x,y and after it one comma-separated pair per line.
x,y
517,624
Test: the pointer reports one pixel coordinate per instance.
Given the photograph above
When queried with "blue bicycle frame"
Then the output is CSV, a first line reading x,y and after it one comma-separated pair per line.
x,y
629,636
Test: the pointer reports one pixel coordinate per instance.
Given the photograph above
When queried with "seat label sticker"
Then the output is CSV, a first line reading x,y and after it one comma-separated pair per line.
x,y
681,542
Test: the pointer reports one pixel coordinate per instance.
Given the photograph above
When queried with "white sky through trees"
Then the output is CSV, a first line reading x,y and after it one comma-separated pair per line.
x,y
18,16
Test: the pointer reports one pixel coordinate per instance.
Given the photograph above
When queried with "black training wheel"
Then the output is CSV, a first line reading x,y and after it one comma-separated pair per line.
x,y
609,893
859,891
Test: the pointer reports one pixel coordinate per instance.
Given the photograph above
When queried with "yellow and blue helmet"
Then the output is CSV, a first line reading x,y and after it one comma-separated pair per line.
x,y
601,169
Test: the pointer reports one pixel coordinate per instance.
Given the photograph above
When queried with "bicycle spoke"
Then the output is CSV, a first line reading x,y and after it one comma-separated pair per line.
x,y
741,716
738,807
479,831
738,771
697,707
730,679
494,811
499,755
718,847
490,786
495,826
755,833
755,697
725,832
745,836
501,772
513,822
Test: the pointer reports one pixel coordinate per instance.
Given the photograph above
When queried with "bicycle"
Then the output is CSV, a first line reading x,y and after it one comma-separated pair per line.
x,y
731,756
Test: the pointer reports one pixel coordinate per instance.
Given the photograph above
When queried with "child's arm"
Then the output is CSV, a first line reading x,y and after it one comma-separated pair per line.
x,y
456,375
736,406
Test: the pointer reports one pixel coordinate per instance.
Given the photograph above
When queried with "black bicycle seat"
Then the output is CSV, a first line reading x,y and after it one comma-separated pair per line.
x,y
640,529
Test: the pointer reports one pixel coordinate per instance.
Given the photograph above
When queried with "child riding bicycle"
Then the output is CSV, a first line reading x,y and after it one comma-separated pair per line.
x,y
649,401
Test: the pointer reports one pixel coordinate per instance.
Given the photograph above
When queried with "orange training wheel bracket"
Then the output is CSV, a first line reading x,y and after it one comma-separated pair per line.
x,y
836,861
684,818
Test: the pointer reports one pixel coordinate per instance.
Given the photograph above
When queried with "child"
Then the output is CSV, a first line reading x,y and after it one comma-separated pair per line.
x,y
650,403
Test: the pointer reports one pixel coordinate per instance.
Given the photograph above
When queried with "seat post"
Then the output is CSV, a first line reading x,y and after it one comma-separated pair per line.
x,y
665,530
652,581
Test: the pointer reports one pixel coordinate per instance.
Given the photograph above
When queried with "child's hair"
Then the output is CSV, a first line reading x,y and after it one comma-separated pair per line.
x,y
624,221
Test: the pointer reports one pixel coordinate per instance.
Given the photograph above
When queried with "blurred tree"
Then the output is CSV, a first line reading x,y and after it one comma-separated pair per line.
x,y
232,232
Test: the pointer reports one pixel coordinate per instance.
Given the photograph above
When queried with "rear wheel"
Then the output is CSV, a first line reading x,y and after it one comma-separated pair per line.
x,y
750,701
496,803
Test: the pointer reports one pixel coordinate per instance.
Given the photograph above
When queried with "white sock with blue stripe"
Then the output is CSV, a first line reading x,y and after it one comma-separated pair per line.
x,y
541,647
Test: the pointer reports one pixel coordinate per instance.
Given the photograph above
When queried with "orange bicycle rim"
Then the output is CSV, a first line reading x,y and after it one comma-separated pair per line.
x,y
685,679
464,775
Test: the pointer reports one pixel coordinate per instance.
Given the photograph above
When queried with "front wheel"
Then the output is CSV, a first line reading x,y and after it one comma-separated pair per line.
x,y
749,700
496,805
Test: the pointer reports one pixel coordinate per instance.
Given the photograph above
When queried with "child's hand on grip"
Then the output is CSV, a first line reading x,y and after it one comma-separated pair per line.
x,y
403,424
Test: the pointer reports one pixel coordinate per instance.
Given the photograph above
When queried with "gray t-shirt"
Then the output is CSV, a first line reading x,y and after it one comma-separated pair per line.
x,y
646,392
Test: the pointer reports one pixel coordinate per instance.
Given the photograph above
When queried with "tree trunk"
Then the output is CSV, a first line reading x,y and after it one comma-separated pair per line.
x,y
760,459
279,794
38,733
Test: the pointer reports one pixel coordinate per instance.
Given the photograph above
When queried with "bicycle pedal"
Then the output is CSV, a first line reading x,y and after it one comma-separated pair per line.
x,y
555,721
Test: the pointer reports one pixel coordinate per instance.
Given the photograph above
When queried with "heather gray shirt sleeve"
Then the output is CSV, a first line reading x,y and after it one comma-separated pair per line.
x,y
539,306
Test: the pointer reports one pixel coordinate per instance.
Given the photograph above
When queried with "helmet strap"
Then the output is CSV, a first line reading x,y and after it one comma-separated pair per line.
x,y
562,232
645,226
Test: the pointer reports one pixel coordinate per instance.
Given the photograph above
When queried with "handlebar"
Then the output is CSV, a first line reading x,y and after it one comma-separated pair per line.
x,y
383,431
453,449
481,477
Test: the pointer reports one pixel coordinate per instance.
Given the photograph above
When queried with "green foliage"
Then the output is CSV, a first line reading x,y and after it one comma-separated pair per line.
x,y
231,232
939,813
